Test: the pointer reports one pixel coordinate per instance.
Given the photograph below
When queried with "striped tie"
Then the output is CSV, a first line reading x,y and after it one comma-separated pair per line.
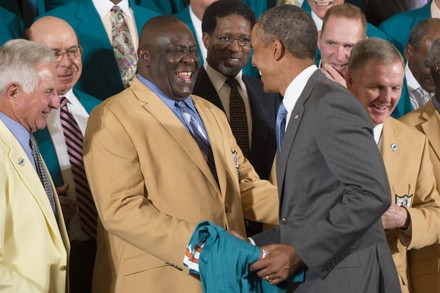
x,y
196,131
123,47
41,171
74,144
238,118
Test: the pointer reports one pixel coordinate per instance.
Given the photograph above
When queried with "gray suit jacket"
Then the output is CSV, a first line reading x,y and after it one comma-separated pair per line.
x,y
333,188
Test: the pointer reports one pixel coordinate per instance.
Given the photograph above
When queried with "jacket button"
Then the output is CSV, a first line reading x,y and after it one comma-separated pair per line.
x,y
63,268
283,221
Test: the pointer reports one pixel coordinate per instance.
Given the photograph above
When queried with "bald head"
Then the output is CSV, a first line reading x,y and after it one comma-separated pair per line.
x,y
58,35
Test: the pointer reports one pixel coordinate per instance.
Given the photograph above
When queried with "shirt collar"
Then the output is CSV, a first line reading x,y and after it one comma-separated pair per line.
x,y
218,79
18,130
411,81
317,20
104,6
168,101
295,89
377,132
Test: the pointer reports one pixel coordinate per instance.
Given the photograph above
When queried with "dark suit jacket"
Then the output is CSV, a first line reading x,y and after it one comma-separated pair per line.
x,y
100,76
400,26
333,189
46,146
264,109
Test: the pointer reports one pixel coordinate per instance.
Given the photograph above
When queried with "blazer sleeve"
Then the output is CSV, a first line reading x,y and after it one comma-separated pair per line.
x,y
425,211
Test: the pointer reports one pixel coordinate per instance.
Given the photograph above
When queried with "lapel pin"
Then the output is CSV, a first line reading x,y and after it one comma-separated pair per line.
x,y
393,147
21,161
296,116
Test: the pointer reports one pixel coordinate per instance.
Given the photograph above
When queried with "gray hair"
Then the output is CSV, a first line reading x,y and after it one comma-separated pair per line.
x,y
374,48
293,27
434,54
18,61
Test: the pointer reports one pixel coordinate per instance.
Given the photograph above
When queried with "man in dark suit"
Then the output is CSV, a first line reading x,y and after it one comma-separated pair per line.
x,y
90,19
332,182
60,37
227,27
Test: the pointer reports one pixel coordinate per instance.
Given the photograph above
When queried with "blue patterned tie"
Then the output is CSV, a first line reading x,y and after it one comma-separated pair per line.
x,y
197,133
280,126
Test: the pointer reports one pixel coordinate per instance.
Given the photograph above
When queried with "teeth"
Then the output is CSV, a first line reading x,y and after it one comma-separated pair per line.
x,y
184,74
324,3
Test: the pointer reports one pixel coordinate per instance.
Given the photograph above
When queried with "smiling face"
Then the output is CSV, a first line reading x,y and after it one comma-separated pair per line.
x,y
418,61
31,109
228,59
377,87
337,40
60,37
171,61
320,7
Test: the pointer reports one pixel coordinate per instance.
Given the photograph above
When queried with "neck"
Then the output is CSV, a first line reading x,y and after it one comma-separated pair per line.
x,y
115,1
293,69
198,10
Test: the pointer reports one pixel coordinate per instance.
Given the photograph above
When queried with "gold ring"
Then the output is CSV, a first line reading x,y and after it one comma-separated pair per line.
x,y
267,279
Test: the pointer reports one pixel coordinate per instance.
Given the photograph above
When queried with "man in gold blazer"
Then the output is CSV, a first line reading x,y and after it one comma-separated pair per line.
x,y
375,76
424,268
152,181
33,240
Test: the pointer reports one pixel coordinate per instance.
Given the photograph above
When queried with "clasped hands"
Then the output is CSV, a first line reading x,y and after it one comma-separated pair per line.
x,y
280,262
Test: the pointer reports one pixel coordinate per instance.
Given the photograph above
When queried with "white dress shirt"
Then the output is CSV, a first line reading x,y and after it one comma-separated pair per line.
x,y
377,132
104,8
317,20
197,23
56,133
417,94
295,89
223,90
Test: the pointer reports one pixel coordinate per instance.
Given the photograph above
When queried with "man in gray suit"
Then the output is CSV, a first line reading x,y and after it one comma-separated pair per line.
x,y
333,186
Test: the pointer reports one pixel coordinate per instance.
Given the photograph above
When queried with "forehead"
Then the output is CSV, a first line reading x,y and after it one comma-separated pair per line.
x,y
343,30
46,75
59,39
174,34
232,22
382,72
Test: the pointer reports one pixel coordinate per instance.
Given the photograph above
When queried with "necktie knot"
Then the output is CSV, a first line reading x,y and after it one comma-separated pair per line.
x,y
116,9
233,83
63,102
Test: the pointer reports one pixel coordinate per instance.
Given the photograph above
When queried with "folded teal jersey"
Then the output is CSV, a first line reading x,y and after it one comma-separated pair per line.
x,y
224,262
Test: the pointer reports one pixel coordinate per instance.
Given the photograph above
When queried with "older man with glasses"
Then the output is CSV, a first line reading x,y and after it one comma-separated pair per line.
x,y
61,147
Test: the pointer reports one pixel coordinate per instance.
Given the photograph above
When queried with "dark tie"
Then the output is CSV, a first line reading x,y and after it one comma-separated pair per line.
x,y
197,133
74,143
280,126
41,171
238,118
123,46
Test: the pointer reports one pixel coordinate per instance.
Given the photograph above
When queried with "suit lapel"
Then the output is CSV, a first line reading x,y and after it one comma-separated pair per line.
x,y
431,126
29,177
292,128
172,124
391,149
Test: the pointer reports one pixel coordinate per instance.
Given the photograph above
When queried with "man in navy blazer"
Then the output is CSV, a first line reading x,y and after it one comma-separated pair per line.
x,y
60,37
101,77
192,15
226,30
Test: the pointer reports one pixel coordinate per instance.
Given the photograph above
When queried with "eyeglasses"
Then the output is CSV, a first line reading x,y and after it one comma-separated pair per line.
x,y
72,53
243,41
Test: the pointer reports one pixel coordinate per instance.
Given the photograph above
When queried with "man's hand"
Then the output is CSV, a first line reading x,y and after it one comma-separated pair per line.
x,y
68,206
281,262
333,74
395,217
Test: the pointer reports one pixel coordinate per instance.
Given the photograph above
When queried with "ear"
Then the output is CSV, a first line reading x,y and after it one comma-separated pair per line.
x,y
205,38
144,57
349,79
11,92
409,51
278,49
